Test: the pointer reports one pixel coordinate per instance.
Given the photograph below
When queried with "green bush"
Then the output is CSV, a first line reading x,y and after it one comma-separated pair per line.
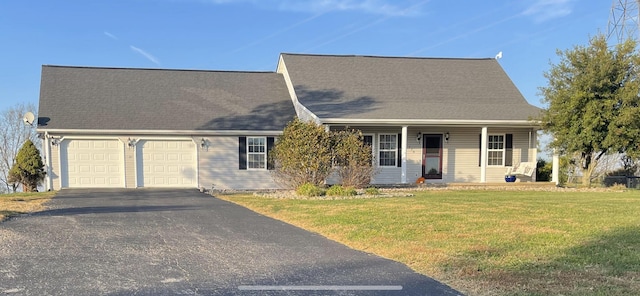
x,y
350,191
543,170
338,190
302,154
335,190
353,158
310,189
372,191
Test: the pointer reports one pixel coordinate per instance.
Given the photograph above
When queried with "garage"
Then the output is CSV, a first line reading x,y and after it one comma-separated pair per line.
x,y
166,163
92,163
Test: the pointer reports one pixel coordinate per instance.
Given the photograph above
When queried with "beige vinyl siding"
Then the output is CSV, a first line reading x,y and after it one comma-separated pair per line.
x,y
460,155
386,175
218,164
129,164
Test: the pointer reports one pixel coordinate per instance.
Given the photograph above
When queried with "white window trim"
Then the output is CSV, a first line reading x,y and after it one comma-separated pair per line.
x,y
257,153
373,147
380,150
504,149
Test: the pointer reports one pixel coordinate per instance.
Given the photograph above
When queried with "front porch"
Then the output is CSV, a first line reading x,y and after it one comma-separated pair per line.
x,y
448,154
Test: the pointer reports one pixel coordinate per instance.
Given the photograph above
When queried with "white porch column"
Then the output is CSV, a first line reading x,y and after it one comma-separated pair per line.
x,y
46,146
483,155
403,177
555,171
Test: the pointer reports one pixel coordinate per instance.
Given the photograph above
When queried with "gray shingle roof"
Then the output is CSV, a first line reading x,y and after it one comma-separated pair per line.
x,y
154,99
366,87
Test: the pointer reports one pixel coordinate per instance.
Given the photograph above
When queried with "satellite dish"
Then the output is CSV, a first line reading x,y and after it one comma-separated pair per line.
x,y
29,118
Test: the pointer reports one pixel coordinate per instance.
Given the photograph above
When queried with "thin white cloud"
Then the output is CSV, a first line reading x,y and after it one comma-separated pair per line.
x,y
413,7
380,7
110,35
544,10
278,32
145,54
463,35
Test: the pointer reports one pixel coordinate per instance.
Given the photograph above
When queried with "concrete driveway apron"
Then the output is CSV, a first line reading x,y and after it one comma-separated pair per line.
x,y
183,242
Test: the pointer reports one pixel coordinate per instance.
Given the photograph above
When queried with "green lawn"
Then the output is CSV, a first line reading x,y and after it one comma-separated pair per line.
x,y
22,203
488,242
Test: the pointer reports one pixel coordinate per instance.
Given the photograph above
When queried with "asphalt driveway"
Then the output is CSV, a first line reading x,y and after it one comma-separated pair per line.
x,y
182,242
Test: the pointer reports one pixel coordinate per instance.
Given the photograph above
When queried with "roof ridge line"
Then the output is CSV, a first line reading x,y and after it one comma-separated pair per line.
x,y
156,69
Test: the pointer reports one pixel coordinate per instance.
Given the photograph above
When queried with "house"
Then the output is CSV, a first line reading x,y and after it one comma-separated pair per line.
x,y
129,128
446,120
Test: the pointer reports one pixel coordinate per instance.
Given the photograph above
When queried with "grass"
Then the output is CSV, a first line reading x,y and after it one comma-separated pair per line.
x,y
22,203
488,242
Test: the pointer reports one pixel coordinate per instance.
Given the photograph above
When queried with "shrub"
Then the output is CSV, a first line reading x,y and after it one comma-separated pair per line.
x,y
372,191
353,158
543,170
335,190
310,189
302,154
338,190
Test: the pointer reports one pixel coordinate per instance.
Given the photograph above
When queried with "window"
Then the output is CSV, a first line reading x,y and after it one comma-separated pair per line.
x,y
387,149
256,153
495,150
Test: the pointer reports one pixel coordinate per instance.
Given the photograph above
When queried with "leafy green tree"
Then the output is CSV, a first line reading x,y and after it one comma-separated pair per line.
x,y
353,158
302,154
593,102
28,168
543,170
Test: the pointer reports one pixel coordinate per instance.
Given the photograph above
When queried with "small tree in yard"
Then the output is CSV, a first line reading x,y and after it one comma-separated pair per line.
x,y
593,103
28,169
353,159
306,154
302,154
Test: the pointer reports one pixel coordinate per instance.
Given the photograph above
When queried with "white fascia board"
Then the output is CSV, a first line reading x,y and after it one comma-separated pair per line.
x,y
301,111
432,122
162,132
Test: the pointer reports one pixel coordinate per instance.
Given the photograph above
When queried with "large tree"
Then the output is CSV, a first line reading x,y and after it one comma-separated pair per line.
x,y
593,102
28,169
13,134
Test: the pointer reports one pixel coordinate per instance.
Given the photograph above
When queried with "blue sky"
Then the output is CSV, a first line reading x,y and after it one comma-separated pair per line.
x,y
249,34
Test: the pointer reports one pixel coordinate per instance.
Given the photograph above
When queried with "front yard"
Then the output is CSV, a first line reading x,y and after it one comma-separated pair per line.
x,y
487,242
22,203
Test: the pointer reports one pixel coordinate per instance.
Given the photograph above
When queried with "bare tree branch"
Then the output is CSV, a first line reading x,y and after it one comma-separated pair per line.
x,y
13,133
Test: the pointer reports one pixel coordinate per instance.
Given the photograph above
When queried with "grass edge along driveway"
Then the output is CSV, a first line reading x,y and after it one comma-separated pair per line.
x,y
487,242
15,204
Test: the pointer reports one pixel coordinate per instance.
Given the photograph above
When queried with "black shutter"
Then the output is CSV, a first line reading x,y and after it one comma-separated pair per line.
x,y
399,150
480,150
242,153
508,145
270,164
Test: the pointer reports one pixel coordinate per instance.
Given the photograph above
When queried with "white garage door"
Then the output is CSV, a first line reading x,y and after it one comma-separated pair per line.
x,y
92,163
166,163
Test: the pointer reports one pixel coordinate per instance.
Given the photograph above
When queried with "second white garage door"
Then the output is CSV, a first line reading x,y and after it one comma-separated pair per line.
x,y
166,163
